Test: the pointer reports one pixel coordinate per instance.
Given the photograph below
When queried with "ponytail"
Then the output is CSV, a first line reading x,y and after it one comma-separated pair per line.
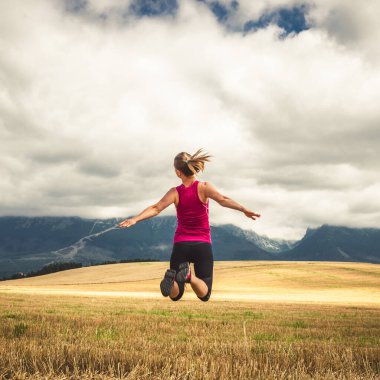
x,y
191,164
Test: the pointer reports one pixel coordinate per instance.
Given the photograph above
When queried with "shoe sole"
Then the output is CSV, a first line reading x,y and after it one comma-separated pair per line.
x,y
182,273
167,283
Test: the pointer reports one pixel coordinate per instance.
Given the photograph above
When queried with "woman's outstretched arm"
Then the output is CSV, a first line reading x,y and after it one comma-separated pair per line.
x,y
213,193
153,210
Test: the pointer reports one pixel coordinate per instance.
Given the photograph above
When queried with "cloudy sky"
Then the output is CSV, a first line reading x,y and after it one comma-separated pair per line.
x,y
98,96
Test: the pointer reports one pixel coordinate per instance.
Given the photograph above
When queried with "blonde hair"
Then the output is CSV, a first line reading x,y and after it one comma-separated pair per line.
x,y
191,164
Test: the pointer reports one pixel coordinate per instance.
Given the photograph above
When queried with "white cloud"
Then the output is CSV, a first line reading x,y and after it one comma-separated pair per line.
x,y
351,24
93,111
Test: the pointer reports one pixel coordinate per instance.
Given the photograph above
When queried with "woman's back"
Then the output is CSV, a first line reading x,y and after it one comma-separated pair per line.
x,y
192,215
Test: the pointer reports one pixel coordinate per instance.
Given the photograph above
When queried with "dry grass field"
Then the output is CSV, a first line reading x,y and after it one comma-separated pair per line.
x,y
267,281
266,320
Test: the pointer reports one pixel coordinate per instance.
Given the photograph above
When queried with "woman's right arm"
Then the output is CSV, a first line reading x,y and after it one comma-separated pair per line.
x,y
214,194
151,211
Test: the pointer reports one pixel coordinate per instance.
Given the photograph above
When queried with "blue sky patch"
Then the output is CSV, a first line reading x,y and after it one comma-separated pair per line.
x,y
292,20
153,7
220,11
75,6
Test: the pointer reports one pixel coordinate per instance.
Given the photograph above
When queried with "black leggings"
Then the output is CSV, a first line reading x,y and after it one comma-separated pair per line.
x,y
199,253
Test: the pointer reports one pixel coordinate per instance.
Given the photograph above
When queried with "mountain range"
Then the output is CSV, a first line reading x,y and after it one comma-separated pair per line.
x,y
28,243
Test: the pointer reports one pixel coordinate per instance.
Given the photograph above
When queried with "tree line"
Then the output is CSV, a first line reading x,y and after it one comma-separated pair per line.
x,y
61,266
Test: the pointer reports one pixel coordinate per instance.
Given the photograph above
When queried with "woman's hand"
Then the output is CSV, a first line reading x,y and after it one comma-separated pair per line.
x,y
127,223
251,214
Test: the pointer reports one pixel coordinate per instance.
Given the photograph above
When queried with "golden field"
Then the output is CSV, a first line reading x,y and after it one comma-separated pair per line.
x,y
266,320
267,281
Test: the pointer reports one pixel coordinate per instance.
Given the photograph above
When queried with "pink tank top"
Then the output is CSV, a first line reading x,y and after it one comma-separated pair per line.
x,y
192,216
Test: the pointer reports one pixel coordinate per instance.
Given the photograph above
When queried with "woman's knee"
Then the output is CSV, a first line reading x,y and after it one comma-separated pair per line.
x,y
206,297
208,282
176,298
181,288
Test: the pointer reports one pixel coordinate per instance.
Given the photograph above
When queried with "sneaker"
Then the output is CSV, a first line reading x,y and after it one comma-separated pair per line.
x,y
184,273
166,285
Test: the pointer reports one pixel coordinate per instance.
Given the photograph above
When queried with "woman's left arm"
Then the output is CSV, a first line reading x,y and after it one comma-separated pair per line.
x,y
153,210
213,193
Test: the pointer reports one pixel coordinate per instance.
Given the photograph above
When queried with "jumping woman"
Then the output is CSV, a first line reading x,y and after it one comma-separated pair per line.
x,y
192,238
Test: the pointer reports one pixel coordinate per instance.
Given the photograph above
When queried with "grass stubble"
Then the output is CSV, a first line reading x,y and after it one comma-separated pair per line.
x,y
76,337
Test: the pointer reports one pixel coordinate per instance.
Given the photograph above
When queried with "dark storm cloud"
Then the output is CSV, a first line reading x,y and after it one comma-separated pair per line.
x,y
99,168
53,155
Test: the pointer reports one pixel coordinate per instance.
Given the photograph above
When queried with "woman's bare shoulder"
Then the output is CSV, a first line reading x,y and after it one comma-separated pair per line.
x,y
207,185
204,185
174,192
207,188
